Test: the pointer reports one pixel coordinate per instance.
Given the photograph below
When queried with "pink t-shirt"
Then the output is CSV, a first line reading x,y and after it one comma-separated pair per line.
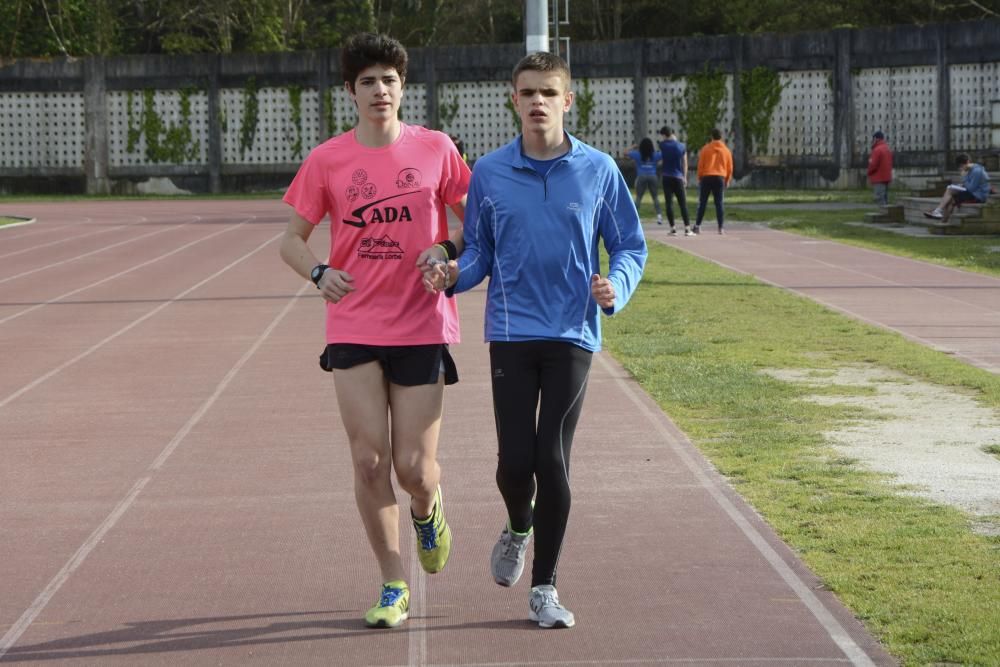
x,y
386,205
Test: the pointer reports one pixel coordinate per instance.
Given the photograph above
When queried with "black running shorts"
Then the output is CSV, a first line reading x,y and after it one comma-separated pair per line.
x,y
405,365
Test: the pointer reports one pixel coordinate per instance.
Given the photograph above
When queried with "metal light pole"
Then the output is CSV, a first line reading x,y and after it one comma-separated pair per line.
x,y
536,26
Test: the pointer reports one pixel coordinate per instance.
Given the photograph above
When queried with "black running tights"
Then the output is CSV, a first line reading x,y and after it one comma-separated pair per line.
x,y
715,186
674,187
546,379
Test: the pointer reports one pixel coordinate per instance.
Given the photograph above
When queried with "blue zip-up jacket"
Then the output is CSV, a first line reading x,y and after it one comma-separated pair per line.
x,y
977,182
537,240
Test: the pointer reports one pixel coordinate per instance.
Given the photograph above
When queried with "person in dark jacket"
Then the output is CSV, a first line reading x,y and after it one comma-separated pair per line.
x,y
880,168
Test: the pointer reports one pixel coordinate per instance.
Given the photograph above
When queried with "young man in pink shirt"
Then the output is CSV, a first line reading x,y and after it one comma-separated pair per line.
x,y
385,186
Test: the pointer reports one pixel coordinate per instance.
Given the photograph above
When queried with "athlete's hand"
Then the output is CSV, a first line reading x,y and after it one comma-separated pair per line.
x,y
434,274
435,252
335,285
602,290
440,275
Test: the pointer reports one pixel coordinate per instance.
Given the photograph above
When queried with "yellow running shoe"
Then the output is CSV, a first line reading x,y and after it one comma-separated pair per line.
x,y
433,538
393,606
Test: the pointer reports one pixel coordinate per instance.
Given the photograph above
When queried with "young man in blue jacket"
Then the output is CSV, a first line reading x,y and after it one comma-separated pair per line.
x,y
537,210
975,188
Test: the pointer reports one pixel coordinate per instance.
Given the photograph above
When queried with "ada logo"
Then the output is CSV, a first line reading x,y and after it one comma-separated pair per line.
x,y
381,214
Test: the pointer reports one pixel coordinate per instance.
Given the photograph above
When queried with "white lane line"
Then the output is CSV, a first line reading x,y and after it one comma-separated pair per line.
x,y
43,599
48,267
417,640
86,353
67,239
33,232
854,653
121,273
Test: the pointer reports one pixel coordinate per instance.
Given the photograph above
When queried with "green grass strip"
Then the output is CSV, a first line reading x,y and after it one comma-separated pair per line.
x,y
696,337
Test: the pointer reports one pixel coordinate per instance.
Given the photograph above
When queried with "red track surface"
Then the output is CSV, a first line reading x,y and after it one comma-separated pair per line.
x,y
175,486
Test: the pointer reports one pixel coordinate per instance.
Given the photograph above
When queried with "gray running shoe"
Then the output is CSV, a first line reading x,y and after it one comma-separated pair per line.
x,y
546,610
507,561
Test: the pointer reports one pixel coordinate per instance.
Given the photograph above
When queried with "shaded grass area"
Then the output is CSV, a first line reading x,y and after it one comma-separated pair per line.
x,y
697,337
8,221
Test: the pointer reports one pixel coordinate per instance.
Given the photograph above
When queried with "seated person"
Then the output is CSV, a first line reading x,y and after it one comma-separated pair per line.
x,y
975,188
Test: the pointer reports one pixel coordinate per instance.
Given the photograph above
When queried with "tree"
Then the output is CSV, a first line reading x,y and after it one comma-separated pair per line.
x,y
60,27
106,27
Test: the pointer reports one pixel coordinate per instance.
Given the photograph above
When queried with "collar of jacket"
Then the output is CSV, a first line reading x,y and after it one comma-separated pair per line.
x,y
521,162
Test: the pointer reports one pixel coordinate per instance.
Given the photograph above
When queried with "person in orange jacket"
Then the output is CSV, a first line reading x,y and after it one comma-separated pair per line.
x,y
715,173
880,168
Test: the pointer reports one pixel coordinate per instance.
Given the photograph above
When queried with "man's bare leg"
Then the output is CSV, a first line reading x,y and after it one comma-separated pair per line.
x,y
363,397
416,425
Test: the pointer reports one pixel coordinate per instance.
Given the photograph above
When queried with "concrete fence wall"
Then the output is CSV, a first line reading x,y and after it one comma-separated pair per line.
x,y
231,122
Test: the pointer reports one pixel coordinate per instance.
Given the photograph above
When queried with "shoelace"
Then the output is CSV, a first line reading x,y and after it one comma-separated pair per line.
x,y
427,534
390,596
548,600
512,550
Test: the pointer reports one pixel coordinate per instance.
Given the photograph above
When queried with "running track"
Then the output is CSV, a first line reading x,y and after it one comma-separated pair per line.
x,y
175,487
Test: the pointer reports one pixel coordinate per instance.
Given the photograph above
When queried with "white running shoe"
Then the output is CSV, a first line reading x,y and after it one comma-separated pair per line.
x,y
936,214
546,610
507,561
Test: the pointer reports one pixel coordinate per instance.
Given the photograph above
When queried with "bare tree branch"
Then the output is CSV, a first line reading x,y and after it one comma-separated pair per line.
x,y
55,33
985,10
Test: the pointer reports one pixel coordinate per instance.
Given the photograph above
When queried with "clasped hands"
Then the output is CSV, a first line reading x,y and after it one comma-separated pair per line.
x,y
438,272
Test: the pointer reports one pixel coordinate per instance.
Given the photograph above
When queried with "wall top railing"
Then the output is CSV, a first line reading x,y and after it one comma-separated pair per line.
x,y
895,46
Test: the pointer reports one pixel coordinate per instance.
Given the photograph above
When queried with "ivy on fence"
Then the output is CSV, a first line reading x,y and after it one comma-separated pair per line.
x,y
251,115
760,89
346,125
585,103
700,106
447,112
171,143
508,104
295,101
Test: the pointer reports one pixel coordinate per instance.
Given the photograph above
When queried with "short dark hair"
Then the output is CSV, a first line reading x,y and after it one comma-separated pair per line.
x,y
541,61
365,49
666,130
716,133
962,159
879,134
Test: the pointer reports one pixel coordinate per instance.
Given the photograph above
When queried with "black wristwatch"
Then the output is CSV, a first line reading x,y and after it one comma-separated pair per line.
x,y
317,273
